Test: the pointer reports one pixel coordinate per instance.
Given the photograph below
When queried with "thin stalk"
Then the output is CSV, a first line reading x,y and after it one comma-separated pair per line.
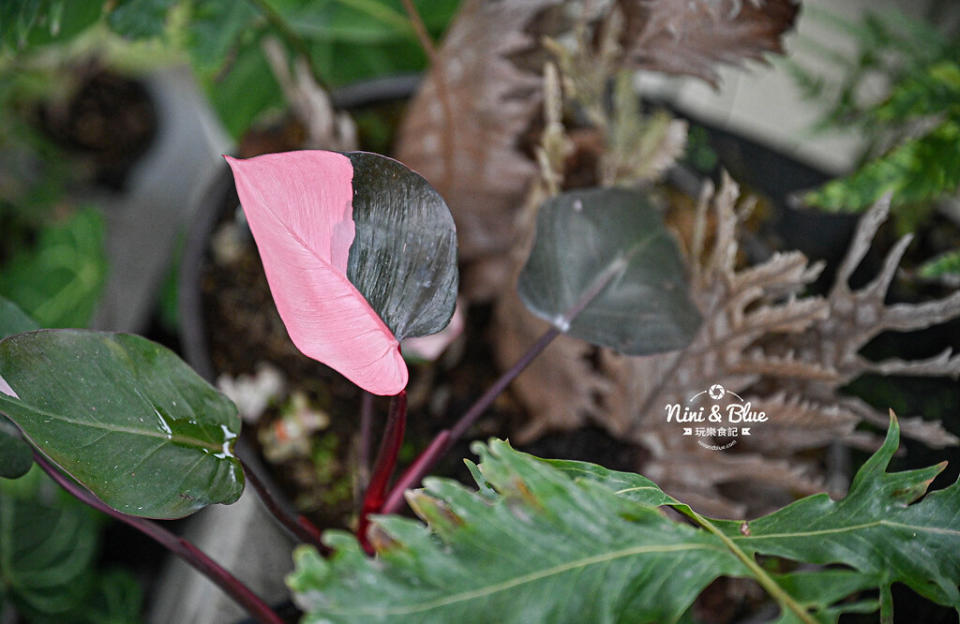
x,y
443,93
366,436
786,600
446,438
301,528
385,464
230,584
421,30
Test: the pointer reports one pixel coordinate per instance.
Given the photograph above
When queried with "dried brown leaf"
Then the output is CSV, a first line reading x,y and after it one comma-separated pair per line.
x,y
468,129
684,37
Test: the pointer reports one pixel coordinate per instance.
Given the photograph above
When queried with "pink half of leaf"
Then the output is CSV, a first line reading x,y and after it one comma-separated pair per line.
x,y
6,389
299,207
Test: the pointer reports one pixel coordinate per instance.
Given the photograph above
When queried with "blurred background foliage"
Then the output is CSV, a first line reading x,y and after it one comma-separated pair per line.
x,y
899,88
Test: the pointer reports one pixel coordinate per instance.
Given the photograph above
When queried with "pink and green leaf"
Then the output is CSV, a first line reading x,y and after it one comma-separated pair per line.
x,y
359,252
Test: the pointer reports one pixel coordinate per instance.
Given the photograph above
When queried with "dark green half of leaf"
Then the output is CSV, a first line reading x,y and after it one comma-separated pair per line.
x,y
404,256
604,268
125,417
15,454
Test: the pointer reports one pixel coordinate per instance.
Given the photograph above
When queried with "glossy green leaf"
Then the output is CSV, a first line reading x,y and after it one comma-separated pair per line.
x,y
125,417
561,541
16,457
404,255
604,268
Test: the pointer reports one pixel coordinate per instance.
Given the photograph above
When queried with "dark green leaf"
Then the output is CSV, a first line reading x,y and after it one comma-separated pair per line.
x,y
404,256
140,19
16,457
126,418
562,541
15,454
608,249
875,529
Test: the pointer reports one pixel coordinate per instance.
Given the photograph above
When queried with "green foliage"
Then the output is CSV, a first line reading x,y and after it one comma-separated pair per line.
x,y
58,281
915,172
344,40
941,266
49,543
140,19
125,417
29,23
913,130
561,541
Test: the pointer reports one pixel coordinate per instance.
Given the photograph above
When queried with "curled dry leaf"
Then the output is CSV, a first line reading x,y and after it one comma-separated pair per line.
x,y
465,131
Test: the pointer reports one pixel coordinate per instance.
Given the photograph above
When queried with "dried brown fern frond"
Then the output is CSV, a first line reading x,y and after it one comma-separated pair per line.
x,y
786,353
468,130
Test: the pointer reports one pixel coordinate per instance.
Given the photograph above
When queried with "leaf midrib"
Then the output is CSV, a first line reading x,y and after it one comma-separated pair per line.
x,y
522,580
172,438
855,527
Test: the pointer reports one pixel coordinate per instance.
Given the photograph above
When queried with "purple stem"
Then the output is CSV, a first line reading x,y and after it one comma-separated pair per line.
x,y
230,584
366,437
384,466
446,438
299,525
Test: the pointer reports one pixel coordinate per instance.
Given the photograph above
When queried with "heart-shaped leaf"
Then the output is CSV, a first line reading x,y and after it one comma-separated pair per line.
x,y
125,417
15,454
604,268
359,252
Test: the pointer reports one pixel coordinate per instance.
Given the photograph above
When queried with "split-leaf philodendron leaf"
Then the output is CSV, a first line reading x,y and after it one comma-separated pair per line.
x,y
125,417
359,252
604,268
559,541
15,454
